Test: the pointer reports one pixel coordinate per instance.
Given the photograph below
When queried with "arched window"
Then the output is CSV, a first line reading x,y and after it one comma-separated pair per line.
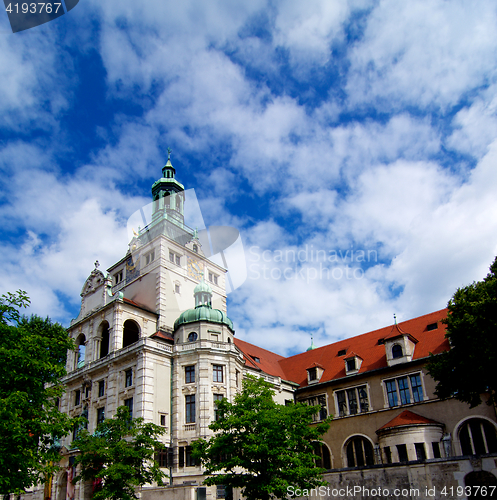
x,y
477,437
80,351
131,333
397,351
195,248
323,453
104,343
359,452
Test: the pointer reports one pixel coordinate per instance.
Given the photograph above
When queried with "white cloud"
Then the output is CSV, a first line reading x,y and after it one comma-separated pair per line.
x,y
426,53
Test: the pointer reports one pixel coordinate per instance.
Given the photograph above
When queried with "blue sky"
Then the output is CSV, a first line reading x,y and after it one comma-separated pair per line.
x,y
362,131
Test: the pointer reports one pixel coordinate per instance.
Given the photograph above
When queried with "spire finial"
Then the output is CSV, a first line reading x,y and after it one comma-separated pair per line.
x,y
169,151
97,264
394,318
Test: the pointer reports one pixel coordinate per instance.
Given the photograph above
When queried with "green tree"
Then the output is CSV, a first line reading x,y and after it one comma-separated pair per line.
x,y
32,355
261,446
468,369
119,456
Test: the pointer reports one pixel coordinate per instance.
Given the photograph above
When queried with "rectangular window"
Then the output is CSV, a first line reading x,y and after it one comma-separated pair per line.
x,y
163,420
174,258
118,277
189,460
352,398
220,491
149,257
100,415
352,401
436,449
217,397
420,451
181,456
417,388
128,378
128,403
402,451
161,457
189,374
87,391
351,365
317,401
190,409
101,388
313,375
405,396
392,393
176,288
404,390
217,371
77,397
213,278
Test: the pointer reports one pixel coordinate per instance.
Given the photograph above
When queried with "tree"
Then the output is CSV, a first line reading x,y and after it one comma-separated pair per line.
x,y
32,356
261,446
119,456
468,369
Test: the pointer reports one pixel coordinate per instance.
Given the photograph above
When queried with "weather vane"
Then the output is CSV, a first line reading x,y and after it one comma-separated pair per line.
x,y
169,151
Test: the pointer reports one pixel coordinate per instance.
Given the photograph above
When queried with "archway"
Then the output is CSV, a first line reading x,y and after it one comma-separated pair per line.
x,y
105,339
131,332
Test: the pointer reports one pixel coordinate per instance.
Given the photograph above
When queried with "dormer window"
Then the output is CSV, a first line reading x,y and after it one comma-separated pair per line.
x,y
352,364
397,351
399,346
314,373
192,337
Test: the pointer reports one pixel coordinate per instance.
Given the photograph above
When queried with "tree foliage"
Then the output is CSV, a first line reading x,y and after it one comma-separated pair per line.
x,y
119,456
261,446
468,369
32,356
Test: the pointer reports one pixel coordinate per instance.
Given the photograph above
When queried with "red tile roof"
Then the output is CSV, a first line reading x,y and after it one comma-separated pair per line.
x,y
269,361
365,346
407,418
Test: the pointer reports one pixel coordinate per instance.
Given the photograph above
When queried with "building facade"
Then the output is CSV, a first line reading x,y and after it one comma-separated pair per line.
x,y
153,334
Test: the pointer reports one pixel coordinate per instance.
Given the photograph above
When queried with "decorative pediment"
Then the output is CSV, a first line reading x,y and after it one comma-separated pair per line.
x,y
94,281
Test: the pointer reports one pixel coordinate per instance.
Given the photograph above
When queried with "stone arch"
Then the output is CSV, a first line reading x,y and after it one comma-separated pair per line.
x,y
484,480
61,493
358,451
131,332
488,431
323,451
80,351
104,334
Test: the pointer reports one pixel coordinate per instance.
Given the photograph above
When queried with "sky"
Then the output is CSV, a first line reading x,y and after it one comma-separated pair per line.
x,y
353,144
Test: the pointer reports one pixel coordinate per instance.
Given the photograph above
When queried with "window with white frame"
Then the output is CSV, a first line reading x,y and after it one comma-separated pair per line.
x,y
213,278
217,373
320,401
149,257
174,258
404,390
352,401
118,277
477,437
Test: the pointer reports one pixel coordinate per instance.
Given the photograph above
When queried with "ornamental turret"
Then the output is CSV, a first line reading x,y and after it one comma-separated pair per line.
x,y
168,195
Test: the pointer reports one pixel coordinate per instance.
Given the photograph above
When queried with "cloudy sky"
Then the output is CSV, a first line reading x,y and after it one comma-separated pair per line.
x,y
352,143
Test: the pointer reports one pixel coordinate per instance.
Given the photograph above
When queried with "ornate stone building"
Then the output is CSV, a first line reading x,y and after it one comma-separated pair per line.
x,y
153,335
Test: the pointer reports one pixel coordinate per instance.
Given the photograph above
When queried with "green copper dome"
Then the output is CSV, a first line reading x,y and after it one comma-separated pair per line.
x,y
203,313
203,309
